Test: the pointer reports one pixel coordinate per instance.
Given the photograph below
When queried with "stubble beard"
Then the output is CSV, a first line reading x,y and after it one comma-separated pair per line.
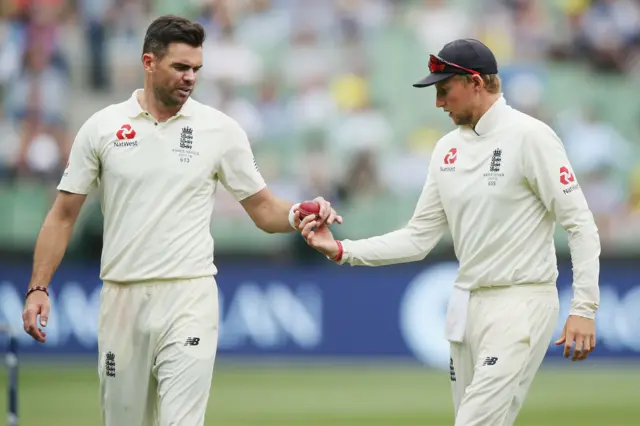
x,y
164,96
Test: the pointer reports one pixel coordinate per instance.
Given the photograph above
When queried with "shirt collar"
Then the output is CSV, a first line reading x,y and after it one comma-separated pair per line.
x,y
490,119
135,110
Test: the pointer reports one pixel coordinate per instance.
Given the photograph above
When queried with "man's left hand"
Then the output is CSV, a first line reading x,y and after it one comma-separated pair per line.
x,y
327,214
582,331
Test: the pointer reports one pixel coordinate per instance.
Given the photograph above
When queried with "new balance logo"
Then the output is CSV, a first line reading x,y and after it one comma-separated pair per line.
x,y
490,361
192,341
110,364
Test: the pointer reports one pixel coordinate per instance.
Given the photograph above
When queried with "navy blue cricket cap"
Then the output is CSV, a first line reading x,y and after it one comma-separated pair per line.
x,y
463,56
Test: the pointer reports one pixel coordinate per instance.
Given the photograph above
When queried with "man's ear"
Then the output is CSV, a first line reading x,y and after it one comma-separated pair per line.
x,y
478,82
148,61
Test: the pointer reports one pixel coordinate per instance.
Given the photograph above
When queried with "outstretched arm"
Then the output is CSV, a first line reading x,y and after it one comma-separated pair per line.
x,y
411,243
238,172
274,215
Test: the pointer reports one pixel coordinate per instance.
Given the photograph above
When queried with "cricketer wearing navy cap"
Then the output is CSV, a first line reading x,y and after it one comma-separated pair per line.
x,y
464,56
499,183
465,75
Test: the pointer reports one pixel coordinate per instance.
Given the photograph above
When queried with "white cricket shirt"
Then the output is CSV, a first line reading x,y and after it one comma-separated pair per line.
x,y
499,190
158,182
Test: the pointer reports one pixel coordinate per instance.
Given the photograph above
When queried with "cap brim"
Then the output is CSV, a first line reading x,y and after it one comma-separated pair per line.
x,y
432,79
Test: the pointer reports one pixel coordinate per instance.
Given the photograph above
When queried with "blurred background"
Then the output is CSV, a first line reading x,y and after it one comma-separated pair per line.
x,y
323,89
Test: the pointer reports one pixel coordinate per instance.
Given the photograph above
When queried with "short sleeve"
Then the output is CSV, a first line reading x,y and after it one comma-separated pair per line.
x,y
238,170
83,167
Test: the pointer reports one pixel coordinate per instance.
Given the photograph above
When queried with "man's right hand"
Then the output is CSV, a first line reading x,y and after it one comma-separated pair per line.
x,y
319,238
36,304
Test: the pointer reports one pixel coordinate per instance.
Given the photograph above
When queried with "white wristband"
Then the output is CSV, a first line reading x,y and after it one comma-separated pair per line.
x,y
292,213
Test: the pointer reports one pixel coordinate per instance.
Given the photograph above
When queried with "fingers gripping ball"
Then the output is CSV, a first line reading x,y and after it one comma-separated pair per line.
x,y
308,208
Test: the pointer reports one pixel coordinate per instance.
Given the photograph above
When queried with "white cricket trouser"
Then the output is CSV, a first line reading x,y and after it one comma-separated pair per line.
x,y
507,335
157,343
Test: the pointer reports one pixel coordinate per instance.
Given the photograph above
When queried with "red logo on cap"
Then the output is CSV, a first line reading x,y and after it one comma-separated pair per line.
x,y
451,156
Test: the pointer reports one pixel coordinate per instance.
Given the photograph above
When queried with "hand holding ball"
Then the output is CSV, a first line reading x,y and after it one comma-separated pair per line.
x,y
308,208
316,235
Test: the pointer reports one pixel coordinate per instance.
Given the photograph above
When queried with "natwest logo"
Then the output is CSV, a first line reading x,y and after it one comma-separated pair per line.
x,y
449,161
566,177
451,156
126,132
125,136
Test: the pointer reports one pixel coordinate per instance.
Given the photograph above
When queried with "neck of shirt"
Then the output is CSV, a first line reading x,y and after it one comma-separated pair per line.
x,y
137,104
159,113
489,120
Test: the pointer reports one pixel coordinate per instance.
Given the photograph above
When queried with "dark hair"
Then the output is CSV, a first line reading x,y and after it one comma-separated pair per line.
x,y
169,29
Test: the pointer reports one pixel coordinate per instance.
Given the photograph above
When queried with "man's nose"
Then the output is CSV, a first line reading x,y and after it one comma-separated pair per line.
x,y
189,76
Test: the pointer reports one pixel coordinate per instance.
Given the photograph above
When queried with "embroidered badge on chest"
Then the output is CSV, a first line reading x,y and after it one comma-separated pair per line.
x,y
494,168
186,152
186,138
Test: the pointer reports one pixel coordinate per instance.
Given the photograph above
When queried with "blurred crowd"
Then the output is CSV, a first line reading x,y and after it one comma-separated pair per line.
x,y
322,87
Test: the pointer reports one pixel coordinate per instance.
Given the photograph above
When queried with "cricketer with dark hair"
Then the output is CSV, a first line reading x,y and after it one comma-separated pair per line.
x,y
158,157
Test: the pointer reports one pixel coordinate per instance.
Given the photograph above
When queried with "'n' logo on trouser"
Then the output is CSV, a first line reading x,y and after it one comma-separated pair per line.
x,y
505,342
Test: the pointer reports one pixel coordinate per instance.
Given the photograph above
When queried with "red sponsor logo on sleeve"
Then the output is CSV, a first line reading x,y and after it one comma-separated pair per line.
x,y
566,177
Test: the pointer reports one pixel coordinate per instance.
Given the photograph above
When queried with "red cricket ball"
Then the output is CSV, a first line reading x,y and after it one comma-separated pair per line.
x,y
307,208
